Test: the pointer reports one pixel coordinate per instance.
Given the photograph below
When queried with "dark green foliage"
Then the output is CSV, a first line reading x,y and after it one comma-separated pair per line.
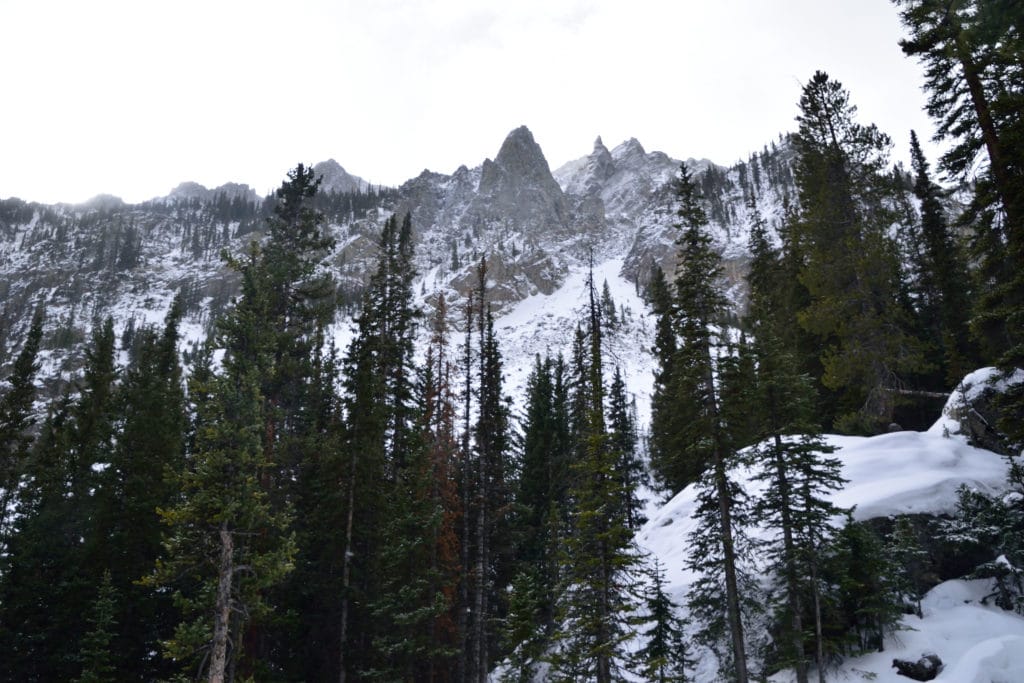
x,y
622,439
665,657
95,652
851,267
792,459
670,472
597,598
16,420
695,444
224,520
995,527
542,498
911,562
47,550
138,480
972,52
525,636
862,606
381,441
943,284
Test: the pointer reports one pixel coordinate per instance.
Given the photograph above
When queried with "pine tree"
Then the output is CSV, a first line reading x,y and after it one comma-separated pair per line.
x,y
670,472
911,562
851,270
664,658
96,644
16,420
623,441
972,53
382,438
491,440
126,534
791,457
226,544
703,444
46,550
942,276
597,597
865,606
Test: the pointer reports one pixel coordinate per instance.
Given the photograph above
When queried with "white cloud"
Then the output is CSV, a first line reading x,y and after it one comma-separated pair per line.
x,y
131,98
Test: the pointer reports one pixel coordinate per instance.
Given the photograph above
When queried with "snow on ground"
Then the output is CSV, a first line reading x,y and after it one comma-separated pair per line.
x,y
546,323
977,643
897,473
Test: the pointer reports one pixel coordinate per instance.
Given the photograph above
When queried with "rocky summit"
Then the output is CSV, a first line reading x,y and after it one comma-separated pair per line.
x,y
534,226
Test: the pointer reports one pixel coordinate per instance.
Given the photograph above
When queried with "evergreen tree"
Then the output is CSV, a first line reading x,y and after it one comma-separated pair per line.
x,y
792,458
942,276
664,658
382,439
597,597
993,527
226,544
524,641
542,498
703,444
623,441
126,534
851,269
16,420
96,644
670,472
972,52
491,440
911,562
862,607
46,550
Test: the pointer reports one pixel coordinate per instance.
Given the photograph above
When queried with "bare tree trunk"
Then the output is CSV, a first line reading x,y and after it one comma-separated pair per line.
x,y
480,595
732,592
789,547
462,623
222,611
346,572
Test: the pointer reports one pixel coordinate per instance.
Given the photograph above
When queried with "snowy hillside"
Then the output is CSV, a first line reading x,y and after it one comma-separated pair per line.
x,y
891,474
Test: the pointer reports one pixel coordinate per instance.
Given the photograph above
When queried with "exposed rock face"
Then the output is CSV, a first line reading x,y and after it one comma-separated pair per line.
x,y
532,225
517,188
192,190
336,178
973,408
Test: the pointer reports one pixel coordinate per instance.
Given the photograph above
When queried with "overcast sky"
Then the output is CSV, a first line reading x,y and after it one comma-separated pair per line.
x,y
131,98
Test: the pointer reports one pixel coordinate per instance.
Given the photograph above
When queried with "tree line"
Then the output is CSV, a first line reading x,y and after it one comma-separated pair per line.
x,y
283,511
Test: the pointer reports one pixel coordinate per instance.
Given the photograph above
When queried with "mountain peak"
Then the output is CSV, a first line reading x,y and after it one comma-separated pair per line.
x,y
520,151
336,178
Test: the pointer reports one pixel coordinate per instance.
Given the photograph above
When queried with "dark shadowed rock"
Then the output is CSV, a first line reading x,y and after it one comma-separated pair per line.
x,y
924,669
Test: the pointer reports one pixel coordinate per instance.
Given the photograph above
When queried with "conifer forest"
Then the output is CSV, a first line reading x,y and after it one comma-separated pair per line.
x,y
270,505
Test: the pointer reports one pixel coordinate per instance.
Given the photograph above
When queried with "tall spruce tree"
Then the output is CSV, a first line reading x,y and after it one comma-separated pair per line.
x,y
598,592
792,459
942,277
16,420
382,437
623,441
702,443
126,534
47,550
851,268
665,656
972,52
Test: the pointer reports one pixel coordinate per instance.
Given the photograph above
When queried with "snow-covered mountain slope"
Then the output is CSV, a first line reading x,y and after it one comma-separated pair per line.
x,y
538,231
892,474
